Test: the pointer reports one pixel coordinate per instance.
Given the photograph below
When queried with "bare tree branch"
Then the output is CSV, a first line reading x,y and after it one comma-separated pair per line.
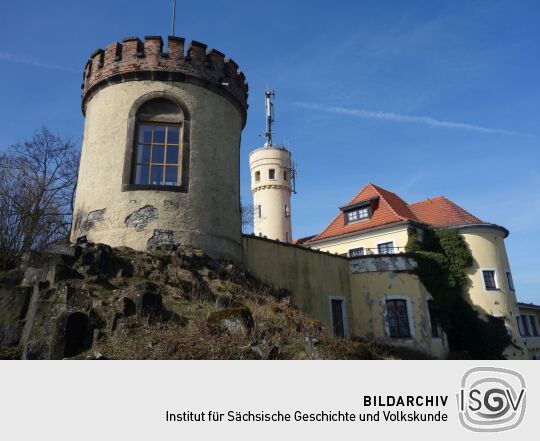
x,y
37,181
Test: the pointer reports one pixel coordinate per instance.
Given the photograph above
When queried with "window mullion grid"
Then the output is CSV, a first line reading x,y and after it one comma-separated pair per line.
x,y
164,157
151,157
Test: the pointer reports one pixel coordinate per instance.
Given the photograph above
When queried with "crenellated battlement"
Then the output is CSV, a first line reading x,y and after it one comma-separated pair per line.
x,y
134,60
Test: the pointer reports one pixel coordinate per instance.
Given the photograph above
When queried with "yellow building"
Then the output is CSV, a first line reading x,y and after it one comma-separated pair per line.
x,y
383,300
378,222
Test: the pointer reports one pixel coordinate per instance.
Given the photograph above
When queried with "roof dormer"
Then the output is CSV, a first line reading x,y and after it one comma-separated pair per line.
x,y
359,211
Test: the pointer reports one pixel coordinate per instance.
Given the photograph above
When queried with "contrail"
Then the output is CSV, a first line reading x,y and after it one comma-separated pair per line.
x,y
388,116
6,56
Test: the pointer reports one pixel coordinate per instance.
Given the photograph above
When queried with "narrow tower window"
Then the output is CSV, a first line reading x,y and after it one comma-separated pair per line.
x,y
272,174
285,176
259,211
158,144
257,176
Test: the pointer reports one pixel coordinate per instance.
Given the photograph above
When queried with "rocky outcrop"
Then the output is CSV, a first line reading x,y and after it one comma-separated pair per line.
x,y
90,301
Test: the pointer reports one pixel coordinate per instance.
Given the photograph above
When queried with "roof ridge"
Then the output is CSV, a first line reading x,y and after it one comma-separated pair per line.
x,y
391,207
369,184
379,189
425,211
428,199
462,209
336,217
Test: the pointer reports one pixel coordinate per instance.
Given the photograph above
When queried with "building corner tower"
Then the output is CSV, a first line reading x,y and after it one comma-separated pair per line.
x,y
272,182
160,160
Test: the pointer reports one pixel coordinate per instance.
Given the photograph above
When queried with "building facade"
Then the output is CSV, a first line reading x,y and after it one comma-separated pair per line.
x,y
378,222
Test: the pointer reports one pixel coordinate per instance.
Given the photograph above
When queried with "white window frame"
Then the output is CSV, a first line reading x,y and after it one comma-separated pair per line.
x,y
343,312
513,287
387,241
410,317
367,208
495,277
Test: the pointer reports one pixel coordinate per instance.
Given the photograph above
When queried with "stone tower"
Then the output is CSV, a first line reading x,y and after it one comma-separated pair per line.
x,y
272,177
160,157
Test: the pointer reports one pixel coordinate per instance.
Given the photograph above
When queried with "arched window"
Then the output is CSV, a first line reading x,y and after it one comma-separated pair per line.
x,y
158,144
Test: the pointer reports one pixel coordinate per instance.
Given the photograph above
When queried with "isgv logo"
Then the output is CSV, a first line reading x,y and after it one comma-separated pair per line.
x,y
491,399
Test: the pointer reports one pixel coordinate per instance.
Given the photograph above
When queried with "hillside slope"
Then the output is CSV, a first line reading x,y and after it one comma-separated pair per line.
x,y
92,301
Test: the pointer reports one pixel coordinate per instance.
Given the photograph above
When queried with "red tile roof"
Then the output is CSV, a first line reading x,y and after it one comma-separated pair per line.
x,y
389,209
303,240
440,212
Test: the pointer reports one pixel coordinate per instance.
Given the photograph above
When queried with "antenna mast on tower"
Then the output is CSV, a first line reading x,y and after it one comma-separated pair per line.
x,y
269,106
173,16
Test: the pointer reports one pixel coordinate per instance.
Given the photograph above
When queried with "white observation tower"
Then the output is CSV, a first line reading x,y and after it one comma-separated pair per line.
x,y
272,182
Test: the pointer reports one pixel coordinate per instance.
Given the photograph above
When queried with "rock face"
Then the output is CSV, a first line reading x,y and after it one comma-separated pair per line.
x,y
61,303
93,302
14,301
233,320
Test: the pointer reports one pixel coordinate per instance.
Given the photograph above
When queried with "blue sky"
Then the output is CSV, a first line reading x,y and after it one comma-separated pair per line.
x,y
424,98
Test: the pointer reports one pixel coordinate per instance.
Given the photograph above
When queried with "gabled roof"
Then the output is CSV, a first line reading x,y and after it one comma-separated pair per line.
x,y
441,212
389,209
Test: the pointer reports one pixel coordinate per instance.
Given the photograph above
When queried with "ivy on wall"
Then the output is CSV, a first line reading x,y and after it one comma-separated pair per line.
x,y
443,259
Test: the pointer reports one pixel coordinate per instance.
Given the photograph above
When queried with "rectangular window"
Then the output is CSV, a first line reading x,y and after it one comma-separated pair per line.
x,y
357,215
272,174
285,176
337,317
259,211
398,318
534,329
519,325
355,252
287,211
386,248
489,279
158,155
510,281
525,326
287,236
433,320
257,176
